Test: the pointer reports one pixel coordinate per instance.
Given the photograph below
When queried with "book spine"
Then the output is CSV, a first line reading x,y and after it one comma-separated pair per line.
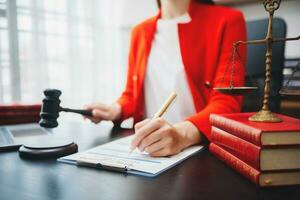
x,y
243,131
240,148
12,117
25,108
19,113
19,121
235,163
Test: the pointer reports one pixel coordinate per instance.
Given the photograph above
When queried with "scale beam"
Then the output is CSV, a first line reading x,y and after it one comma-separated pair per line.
x,y
286,39
238,43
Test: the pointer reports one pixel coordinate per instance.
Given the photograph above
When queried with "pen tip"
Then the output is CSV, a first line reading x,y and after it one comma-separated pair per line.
x,y
131,149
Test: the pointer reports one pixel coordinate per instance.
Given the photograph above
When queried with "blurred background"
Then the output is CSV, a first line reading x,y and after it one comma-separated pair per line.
x,y
77,46
81,46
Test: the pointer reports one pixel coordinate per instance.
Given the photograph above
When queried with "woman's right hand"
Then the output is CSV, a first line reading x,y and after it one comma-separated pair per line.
x,y
104,112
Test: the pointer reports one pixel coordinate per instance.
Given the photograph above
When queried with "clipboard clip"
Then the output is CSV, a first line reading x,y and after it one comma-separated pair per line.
x,y
110,167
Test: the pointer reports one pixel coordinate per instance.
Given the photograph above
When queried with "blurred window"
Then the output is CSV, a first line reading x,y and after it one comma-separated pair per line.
x,y
71,45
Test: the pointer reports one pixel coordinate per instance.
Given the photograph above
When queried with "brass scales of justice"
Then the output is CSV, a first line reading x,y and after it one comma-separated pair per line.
x,y
264,115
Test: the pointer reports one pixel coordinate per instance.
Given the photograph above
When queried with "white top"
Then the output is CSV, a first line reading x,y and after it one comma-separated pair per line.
x,y
165,73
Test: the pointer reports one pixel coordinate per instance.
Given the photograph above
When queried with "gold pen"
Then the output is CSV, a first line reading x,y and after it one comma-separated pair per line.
x,y
163,109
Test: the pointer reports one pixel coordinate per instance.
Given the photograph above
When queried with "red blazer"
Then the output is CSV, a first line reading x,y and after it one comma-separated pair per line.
x,y
206,46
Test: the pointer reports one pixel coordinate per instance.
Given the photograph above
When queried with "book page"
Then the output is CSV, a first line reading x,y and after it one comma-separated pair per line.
x,y
116,153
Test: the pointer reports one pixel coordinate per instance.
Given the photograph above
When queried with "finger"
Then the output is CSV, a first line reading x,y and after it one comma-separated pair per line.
x,y
140,124
95,121
100,114
149,140
97,117
99,106
145,130
91,106
162,152
87,117
156,148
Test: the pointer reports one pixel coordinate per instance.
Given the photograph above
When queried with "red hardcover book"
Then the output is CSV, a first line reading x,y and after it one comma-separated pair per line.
x,y
264,179
264,159
19,113
286,132
19,107
242,149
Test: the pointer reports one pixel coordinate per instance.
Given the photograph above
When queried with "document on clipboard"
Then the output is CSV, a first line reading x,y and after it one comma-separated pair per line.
x,y
114,156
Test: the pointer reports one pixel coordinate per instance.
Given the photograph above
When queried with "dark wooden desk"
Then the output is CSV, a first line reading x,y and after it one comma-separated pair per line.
x,y
200,177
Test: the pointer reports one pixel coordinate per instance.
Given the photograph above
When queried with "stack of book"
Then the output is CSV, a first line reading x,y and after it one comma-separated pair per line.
x,y
19,113
266,153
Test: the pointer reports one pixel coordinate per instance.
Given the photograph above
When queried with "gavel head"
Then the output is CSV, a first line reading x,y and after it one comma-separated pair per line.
x,y
50,108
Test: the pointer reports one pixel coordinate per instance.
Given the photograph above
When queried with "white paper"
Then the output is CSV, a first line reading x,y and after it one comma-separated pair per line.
x,y
116,153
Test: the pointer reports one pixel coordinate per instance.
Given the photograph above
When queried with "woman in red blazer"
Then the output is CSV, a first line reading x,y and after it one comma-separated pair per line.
x,y
205,46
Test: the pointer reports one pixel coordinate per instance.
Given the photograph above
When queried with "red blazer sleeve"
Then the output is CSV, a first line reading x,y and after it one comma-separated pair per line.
x,y
235,29
126,99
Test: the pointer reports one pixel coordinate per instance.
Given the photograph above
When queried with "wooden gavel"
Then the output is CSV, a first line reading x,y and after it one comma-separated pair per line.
x,y
51,108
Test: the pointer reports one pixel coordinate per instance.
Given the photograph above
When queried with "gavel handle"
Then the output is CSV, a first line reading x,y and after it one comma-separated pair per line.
x,y
82,112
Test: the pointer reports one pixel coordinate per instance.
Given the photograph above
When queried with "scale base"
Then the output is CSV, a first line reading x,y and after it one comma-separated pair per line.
x,y
265,116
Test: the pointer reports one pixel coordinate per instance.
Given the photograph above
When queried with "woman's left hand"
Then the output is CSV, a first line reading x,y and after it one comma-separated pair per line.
x,y
159,138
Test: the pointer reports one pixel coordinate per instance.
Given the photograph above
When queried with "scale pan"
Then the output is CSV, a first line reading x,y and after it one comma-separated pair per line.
x,y
236,90
292,94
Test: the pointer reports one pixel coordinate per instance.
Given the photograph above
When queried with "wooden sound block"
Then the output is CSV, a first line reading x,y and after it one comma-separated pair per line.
x,y
47,149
